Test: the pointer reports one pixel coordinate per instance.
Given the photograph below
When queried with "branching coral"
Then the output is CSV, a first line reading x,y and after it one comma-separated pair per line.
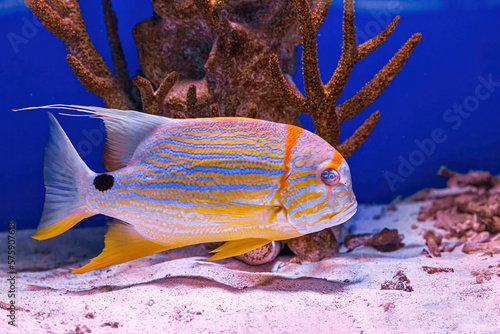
x,y
321,99
222,48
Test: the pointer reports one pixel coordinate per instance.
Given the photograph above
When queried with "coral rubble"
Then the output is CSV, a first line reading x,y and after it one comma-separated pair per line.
x,y
384,241
433,270
468,211
398,282
209,58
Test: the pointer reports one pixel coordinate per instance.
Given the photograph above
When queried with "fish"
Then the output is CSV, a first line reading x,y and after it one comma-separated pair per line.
x,y
177,182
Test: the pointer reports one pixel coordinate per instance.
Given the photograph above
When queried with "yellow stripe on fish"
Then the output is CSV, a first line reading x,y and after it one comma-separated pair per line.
x,y
182,182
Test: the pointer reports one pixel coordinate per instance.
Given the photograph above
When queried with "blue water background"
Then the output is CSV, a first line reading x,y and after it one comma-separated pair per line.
x,y
459,50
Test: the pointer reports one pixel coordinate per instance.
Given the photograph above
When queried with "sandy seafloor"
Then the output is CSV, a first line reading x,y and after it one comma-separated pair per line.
x,y
179,292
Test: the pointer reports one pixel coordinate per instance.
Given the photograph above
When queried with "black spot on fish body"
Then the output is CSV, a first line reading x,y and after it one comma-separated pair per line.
x,y
104,182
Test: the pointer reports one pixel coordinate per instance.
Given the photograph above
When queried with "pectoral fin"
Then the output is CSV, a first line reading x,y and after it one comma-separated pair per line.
x,y
122,244
237,247
240,213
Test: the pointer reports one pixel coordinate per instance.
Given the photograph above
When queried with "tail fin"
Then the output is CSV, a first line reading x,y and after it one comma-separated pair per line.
x,y
61,167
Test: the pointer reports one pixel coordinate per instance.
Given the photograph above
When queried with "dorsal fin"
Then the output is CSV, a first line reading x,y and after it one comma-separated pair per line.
x,y
125,129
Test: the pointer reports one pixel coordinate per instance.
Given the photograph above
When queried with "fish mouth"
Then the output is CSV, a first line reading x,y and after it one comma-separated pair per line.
x,y
345,215
338,219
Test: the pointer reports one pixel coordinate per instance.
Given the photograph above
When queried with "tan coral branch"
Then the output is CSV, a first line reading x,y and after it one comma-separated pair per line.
x,y
94,84
147,94
372,44
375,87
194,103
351,144
191,99
153,101
117,55
312,80
320,13
282,87
188,106
337,83
49,18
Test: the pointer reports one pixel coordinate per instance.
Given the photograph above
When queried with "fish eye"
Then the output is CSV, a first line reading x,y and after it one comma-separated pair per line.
x,y
330,177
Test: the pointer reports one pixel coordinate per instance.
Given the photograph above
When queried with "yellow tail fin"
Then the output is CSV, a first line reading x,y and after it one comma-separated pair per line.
x,y
59,227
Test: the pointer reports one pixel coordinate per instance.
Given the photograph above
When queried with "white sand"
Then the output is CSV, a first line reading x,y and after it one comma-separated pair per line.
x,y
178,292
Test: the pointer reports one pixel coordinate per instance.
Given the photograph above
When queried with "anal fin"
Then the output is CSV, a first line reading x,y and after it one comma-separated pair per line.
x,y
122,244
237,247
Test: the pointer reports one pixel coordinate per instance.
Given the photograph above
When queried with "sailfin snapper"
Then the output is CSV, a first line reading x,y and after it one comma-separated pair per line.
x,y
174,183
